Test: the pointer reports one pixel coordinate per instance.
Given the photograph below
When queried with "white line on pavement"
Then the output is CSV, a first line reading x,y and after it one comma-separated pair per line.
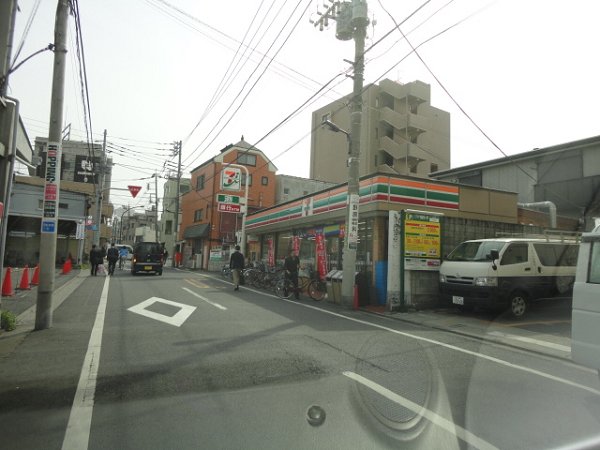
x,y
433,417
434,342
216,305
564,348
80,419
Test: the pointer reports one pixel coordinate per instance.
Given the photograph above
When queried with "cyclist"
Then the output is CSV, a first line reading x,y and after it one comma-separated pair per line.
x,y
122,256
112,255
291,266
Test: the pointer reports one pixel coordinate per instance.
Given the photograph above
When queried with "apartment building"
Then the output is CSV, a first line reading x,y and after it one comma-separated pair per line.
x,y
168,232
402,133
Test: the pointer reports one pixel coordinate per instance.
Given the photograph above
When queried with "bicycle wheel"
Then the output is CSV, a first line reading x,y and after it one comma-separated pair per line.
x,y
317,290
283,289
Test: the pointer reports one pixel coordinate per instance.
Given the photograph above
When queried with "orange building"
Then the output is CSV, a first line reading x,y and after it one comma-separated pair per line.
x,y
207,233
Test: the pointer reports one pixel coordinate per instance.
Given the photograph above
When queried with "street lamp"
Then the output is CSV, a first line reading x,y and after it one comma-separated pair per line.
x,y
351,234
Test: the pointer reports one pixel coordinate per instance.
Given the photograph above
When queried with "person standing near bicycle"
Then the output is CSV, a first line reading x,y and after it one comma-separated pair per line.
x,y
292,266
236,264
122,256
113,256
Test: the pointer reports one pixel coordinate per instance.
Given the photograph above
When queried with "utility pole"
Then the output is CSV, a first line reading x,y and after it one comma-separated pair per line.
x,y
351,22
156,206
43,314
176,229
99,190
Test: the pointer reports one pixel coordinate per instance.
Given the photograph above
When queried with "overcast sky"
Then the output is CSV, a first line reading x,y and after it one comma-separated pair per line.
x,y
526,71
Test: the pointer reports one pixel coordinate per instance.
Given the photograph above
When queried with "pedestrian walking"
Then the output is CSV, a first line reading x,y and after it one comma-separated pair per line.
x,y
113,256
95,259
291,266
236,264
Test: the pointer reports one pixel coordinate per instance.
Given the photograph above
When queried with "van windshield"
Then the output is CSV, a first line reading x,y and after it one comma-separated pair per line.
x,y
474,251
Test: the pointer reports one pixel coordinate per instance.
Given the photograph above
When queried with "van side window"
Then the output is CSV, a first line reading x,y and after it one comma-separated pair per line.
x,y
554,255
594,271
515,254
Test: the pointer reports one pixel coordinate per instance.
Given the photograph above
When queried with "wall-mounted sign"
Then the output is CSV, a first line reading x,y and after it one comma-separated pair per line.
x,y
231,179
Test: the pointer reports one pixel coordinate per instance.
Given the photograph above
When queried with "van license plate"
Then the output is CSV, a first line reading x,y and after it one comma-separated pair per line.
x,y
458,300
147,267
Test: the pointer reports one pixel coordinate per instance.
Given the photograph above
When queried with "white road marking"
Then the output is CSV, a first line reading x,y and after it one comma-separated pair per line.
x,y
552,345
433,417
434,342
185,311
216,305
77,435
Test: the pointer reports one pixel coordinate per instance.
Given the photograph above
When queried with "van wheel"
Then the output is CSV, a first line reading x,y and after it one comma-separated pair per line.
x,y
518,304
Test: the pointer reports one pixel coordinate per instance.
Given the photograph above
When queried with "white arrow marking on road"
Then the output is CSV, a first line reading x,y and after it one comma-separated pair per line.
x,y
177,320
216,305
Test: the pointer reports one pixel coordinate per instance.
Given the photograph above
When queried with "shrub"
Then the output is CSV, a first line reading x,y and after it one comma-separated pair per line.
x,y
8,321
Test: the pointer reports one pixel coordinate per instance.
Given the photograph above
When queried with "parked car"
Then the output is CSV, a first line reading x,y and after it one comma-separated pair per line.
x,y
508,272
147,257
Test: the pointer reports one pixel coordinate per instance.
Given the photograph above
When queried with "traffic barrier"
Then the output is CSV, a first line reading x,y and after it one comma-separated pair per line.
x,y
67,266
24,284
35,279
7,287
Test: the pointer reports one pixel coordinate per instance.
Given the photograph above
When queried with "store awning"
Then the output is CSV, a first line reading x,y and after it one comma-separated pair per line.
x,y
196,231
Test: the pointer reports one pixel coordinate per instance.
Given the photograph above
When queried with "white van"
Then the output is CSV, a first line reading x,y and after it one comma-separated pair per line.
x,y
508,272
585,332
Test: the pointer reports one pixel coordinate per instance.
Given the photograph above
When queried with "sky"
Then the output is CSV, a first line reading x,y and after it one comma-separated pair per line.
x,y
521,72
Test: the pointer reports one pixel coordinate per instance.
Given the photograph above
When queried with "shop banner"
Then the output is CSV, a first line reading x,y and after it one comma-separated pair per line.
x,y
296,245
422,242
271,255
321,256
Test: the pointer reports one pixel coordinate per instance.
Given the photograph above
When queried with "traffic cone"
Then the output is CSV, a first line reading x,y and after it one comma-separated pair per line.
x,y
35,280
25,279
7,289
67,266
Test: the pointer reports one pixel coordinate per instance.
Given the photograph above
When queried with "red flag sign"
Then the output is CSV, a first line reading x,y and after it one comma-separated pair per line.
x,y
134,190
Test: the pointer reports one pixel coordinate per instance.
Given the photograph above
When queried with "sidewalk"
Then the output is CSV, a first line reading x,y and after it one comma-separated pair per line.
x,y
499,332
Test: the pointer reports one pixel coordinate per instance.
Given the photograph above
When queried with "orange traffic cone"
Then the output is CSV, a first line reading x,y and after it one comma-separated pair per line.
x,y
67,266
7,289
25,279
35,280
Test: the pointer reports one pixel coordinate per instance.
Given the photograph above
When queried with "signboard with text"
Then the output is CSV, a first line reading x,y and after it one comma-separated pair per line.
x,y
231,179
229,208
422,241
51,190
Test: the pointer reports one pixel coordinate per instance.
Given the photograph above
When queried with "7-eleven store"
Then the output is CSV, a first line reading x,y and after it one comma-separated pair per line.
x,y
400,261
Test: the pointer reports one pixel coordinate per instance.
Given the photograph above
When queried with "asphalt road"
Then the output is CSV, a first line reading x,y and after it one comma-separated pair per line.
x,y
183,361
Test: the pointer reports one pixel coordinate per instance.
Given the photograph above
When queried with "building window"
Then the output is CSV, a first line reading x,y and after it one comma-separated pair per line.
x,y
286,191
184,188
200,183
198,215
168,227
434,167
244,180
264,181
246,159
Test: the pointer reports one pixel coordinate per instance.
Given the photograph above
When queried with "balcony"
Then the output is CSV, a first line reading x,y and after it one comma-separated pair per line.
x,y
401,149
417,91
410,123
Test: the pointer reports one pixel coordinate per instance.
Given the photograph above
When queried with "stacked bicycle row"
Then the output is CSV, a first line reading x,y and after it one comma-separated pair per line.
x,y
277,280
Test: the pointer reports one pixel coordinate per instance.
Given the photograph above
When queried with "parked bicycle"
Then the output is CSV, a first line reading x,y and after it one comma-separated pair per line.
x,y
314,286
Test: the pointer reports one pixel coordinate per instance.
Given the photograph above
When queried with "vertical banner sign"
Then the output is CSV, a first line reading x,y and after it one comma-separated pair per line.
x,y
394,272
354,200
271,254
231,179
422,241
296,245
321,255
51,188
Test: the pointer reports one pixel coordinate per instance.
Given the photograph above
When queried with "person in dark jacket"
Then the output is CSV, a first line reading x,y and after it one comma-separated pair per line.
x,y
113,256
292,266
236,264
95,259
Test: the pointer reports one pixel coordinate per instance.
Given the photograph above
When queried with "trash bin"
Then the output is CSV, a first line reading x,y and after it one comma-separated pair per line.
x,y
329,285
336,281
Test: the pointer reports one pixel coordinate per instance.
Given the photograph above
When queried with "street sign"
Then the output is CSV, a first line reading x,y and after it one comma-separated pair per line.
x,y
224,198
134,190
229,208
